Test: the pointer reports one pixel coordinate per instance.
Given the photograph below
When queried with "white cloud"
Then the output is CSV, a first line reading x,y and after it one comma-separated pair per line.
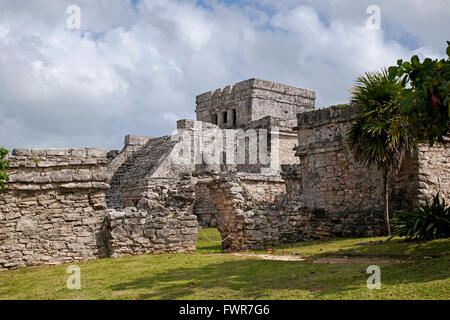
x,y
4,31
136,68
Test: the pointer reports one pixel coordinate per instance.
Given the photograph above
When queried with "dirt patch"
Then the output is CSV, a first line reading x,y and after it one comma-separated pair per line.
x,y
355,260
319,260
270,257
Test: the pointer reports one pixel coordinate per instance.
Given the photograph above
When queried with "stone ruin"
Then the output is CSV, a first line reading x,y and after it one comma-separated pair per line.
x,y
259,163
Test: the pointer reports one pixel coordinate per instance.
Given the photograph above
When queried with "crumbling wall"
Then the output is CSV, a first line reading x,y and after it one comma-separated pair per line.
x,y
434,170
161,213
53,208
246,217
134,232
54,211
263,189
424,173
157,218
230,202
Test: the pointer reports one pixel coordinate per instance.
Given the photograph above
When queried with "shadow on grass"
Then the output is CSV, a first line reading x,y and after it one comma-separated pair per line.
x,y
255,279
370,247
395,248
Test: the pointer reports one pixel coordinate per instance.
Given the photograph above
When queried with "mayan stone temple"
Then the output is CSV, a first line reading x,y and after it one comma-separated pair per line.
x,y
260,163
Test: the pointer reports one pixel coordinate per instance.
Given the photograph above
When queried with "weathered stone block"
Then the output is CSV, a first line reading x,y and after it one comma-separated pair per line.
x,y
96,153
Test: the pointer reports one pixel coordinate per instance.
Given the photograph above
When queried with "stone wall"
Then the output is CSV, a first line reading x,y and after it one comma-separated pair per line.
x,y
54,211
254,212
245,212
262,189
348,220
338,195
424,173
157,218
434,170
332,193
405,189
134,232
204,208
331,179
343,197
240,205
53,208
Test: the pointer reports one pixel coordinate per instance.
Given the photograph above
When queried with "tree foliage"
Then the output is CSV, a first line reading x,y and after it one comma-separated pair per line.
x,y
426,101
4,165
425,222
379,133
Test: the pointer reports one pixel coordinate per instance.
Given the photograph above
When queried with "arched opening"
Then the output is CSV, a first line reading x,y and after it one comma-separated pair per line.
x,y
218,202
204,208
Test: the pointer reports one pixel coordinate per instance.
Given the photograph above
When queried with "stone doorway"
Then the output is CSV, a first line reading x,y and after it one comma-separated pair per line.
x,y
224,199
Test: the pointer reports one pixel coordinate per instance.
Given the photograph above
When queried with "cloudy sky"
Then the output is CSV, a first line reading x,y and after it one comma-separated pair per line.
x,y
135,66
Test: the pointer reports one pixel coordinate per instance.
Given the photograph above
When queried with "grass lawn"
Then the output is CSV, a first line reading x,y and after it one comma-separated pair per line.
x,y
209,274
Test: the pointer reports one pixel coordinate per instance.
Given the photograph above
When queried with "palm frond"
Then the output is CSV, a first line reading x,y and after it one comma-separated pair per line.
x,y
379,134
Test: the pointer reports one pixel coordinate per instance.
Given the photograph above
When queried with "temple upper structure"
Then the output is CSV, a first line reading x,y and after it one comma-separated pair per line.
x,y
237,105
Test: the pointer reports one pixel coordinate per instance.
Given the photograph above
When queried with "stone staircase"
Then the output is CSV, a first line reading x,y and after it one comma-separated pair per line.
x,y
139,165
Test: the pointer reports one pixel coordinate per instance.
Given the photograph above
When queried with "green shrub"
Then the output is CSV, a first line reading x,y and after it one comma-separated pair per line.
x,y
425,222
426,101
4,165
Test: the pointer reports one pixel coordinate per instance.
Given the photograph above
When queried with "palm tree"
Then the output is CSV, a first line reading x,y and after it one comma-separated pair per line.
x,y
379,132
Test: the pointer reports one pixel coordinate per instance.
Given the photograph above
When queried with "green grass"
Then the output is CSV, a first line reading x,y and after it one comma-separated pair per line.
x,y
395,248
209,241
209,274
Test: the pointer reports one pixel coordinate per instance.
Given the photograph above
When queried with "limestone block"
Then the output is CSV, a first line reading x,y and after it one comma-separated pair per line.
x,y
96,153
